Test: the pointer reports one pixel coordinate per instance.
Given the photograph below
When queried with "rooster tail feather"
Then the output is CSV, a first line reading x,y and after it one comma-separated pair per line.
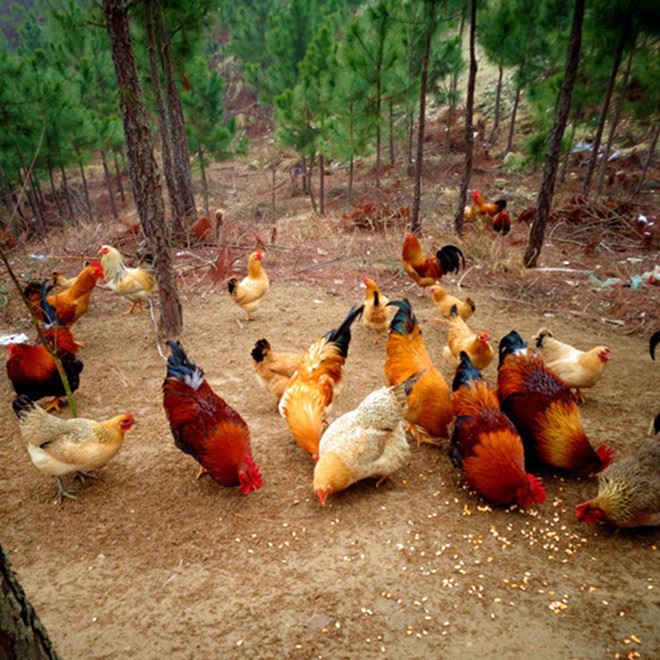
x,y
232,284
22,405
258,353
653,343
341,336
250,478
656,424
453,312
450,258
511,344
404,321
181,368
466,372
50,313
376,299
501,204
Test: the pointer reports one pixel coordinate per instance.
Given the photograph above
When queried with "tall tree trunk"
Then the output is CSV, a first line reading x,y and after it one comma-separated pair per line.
x,y
391,136
409,151
544,200
649,158
453,84
498,98
567,156
120,184
312,199
350,181
321,184
595,146
180,154
514,112
53,190
469,133
67,192
142,166
41,200
615,122
31,195
22,635
305,176
175,201
88,204
205,185
108,181
7,196
415,222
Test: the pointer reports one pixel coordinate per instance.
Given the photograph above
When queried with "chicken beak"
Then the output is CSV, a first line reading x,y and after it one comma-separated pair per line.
x,y
322,495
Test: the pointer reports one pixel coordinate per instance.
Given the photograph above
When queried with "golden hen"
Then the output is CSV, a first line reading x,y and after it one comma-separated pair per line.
x,y
274,370
444,302
461,338
376,315
249,292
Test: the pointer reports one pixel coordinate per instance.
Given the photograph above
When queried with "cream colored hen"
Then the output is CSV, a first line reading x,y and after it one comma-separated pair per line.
x,y
134,284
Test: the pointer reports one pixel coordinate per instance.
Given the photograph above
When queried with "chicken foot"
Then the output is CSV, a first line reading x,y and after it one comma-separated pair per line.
x,y
55,404
63,492
421,436
82,475
202,471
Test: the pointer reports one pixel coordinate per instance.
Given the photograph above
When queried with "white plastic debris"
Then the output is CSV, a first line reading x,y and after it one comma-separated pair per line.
x,y
13,339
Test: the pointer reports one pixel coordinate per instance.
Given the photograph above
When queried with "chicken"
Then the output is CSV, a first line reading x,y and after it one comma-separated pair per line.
x,y
274,370
369,441
429,402
427,270
545,412
502,223
34,293
444,302
486,445
63,446
73,302
628,491
479,207
31,368
578,369
375,316
134,284
315,385
653,342
249,292
461,338
206,427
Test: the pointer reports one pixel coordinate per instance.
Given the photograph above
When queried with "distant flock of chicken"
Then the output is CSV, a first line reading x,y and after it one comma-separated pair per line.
x,y
531,419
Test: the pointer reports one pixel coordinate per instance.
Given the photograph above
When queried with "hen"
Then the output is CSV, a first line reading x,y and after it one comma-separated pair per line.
x,y
249,292
63,446
369,441
578,369
486,445
375,316
73,302
274,370
134,284
31,368
545,411
314,386
461,338
205,427
444,302
628,491
426,270
429,402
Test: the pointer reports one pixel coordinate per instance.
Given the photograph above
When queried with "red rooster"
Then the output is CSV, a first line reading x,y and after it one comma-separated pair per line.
x,y
502,222
31,368
426,270
486,445
206,427
545,411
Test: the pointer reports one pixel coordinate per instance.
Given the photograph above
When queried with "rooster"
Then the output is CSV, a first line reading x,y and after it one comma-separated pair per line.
x,y
444,302
502,223
628,491
64,446
375,316
73,302
479,207
545,411
249,292
206,427
578,369
429,402
461,338
314,386
427,270
274,370
369,441
134,284
31,368
486,445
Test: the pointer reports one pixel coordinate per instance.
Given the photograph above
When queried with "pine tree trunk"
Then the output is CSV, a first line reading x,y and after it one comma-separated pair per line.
x,y
615,122
53,190
595,146
108,181
453,85
567,157
88,204
205,185
415,221
469,133
312,199
31,195
350,181
305,177
321,184
391,136
67,192
120,184
649,158
514,112
175,202
544,200
180,154
409,151
498,98
22,635
142,166
7,196
41,200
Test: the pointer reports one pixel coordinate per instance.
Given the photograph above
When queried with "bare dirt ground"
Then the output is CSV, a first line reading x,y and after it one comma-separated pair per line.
x,y
150,563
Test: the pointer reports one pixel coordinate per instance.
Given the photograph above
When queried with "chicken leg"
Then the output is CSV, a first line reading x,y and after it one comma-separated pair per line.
x,y
63,492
